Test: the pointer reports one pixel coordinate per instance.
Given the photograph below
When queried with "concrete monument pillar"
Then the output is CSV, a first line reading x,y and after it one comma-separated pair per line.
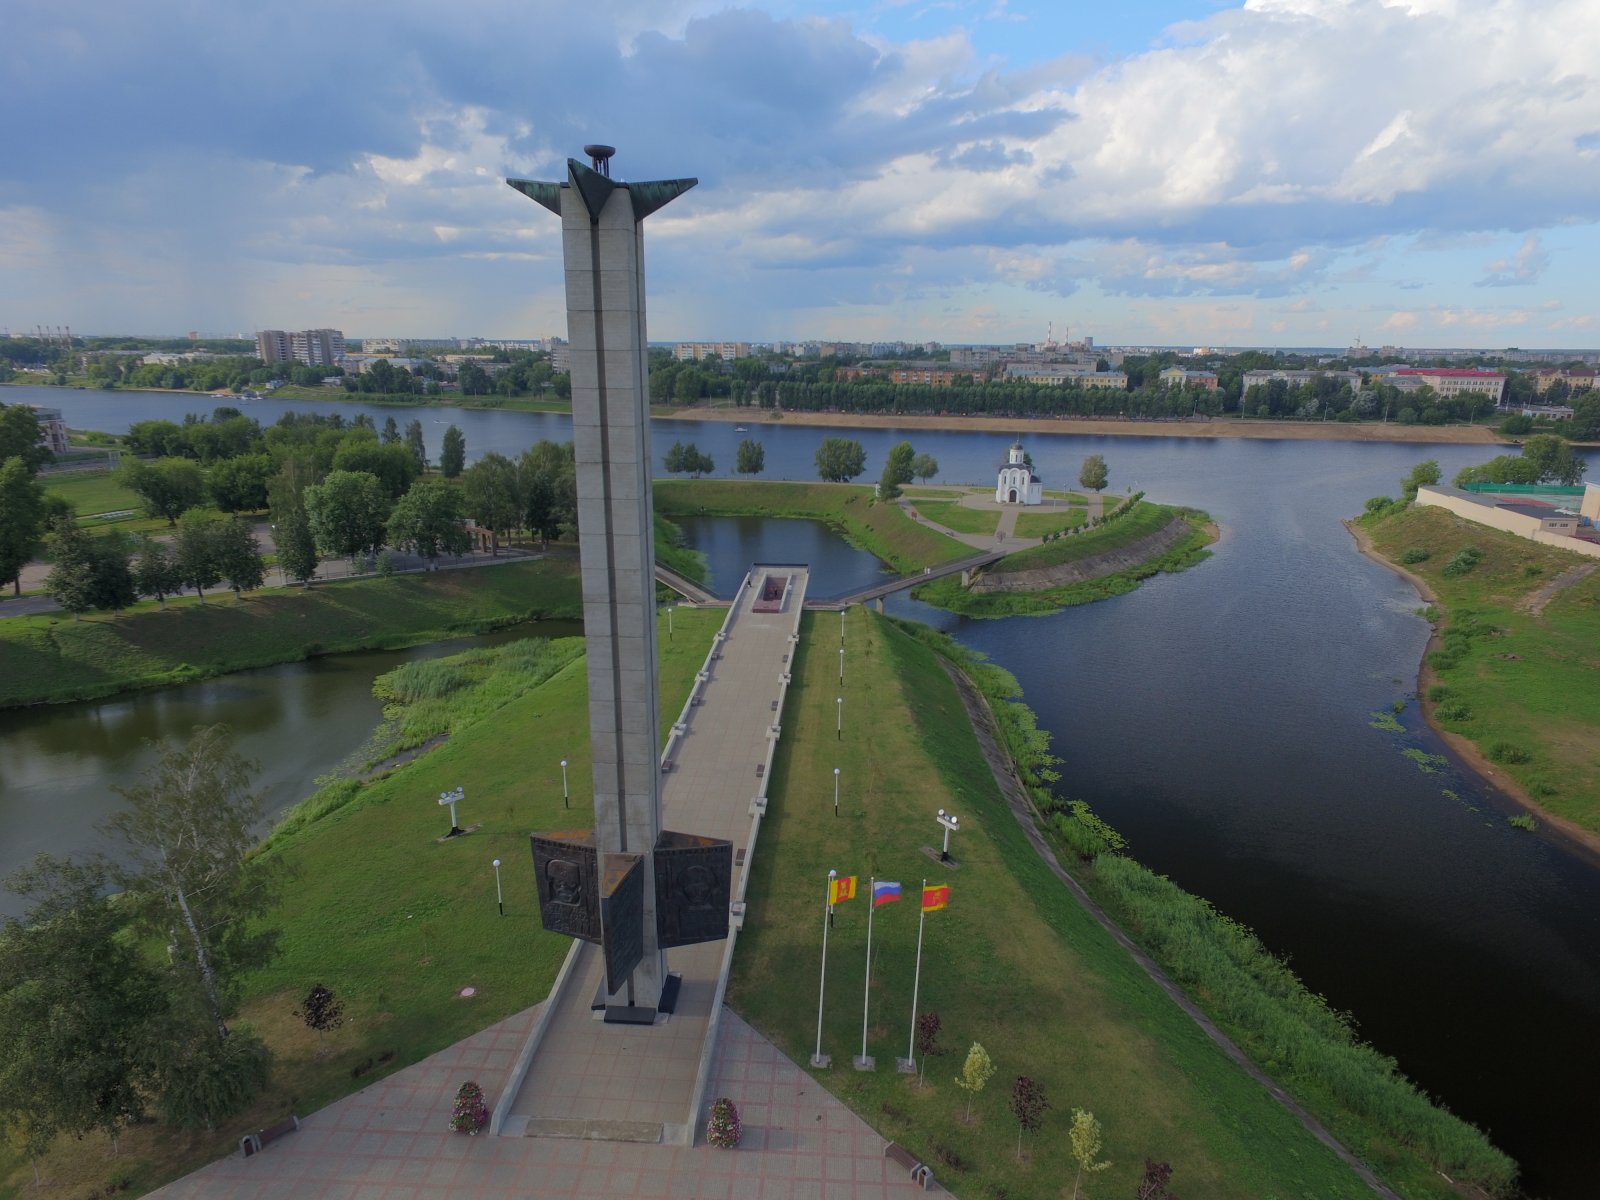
x,y
603,247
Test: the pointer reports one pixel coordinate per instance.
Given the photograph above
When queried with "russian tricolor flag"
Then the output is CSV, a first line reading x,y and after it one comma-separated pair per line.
x,y
884,892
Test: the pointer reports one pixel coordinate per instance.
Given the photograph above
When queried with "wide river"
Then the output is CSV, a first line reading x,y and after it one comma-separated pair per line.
x,y
1220,719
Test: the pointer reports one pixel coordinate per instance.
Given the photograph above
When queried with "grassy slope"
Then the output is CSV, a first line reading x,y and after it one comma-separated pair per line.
x,y
1014,963
53,658
396,924
947,593
1143,520
882,529
1510,676
90,494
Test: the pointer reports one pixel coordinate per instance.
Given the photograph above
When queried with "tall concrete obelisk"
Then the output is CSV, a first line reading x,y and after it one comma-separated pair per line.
x,y
603,247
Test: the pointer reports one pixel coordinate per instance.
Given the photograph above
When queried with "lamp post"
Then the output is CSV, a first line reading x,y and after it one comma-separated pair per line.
x,y
669,622
838,721
566,799
841,626
841,666
836,791
950,823
499,896
452,799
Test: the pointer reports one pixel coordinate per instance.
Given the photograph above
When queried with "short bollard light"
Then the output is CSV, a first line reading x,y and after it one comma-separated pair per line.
x,y
499,896
566,798
951,824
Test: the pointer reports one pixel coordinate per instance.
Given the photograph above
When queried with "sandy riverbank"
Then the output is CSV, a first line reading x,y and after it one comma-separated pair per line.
x,y
1322,431
1464,747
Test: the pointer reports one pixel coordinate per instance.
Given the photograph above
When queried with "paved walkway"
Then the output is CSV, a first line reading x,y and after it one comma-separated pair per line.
x,y
391,1141
628,1081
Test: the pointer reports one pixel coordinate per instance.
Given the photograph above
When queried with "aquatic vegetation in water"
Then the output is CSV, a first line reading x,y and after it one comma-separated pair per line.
x,y
1427,763
1386,722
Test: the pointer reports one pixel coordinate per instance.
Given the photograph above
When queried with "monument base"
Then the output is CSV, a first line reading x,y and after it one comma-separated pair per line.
x,y
864,1062
628,1014
906,1066
665,1006
822,1061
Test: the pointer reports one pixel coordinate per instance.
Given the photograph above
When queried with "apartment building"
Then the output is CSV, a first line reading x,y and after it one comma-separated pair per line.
x,y
1451,381
695,351
314,347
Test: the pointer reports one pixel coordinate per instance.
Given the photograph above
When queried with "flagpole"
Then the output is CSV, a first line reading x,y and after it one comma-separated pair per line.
x,y
916,980
817,1059
864,1063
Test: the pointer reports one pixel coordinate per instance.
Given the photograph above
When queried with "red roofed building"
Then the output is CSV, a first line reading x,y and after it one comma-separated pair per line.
x,y
1450,381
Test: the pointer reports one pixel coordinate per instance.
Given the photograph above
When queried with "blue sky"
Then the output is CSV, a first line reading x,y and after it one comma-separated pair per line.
x,y
1281,172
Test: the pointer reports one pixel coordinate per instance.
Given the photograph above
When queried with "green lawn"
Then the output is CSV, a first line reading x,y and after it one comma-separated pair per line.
x,y
1518,685
1013,963
1040,524
882,529
52,658
92,493
952,515
396,923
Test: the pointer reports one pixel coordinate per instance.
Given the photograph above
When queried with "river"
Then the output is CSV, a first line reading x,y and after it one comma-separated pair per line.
x,y
1219,719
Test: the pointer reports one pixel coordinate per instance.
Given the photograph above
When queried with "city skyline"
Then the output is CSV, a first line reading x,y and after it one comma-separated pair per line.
x,y
1286,172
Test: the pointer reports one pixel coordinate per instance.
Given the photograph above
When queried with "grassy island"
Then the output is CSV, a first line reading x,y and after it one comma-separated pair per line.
x,y
1076,565
1509,677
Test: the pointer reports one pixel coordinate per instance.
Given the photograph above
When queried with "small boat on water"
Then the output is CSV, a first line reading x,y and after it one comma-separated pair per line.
x,y
740,429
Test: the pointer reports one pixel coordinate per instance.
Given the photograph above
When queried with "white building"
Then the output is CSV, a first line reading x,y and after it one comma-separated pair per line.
x,y
1018,484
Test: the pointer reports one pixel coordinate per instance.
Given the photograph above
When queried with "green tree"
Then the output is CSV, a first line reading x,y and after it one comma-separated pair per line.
x,y
1554,459
391,431
71,579
427,521
840,459
297,549
187,835
240,484
76,1001
491,492
22,519
155,570
897,471
549,489
752,458
169,487
673,459
238,556
453,457
348,511
195,552
925,467
393,465
1504,468
975,1075
1094,475
415,444
1085,1139
21,436
1424,474
1585,424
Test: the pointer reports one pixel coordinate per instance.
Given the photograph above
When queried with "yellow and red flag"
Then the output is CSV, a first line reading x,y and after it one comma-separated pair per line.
x,y
843,888
935,898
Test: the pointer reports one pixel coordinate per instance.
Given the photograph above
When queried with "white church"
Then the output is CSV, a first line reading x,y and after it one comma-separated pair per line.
x,y
1018,484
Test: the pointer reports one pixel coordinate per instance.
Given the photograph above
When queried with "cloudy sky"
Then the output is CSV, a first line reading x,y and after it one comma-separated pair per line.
x,y
1285,172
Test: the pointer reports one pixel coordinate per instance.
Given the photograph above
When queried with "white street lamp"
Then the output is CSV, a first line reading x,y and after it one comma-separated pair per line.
x,y
841,626
841,666
566,799
452,799
951,824
838,721
669,622
836,791
499,896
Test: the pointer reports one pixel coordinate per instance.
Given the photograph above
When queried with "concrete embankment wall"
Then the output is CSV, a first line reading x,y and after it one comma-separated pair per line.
x,y
1097,566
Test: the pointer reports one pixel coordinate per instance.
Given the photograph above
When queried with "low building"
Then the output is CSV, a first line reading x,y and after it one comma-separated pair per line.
x,y
695,351
932,376
1299,378
1017,483
1452,381
1178,377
